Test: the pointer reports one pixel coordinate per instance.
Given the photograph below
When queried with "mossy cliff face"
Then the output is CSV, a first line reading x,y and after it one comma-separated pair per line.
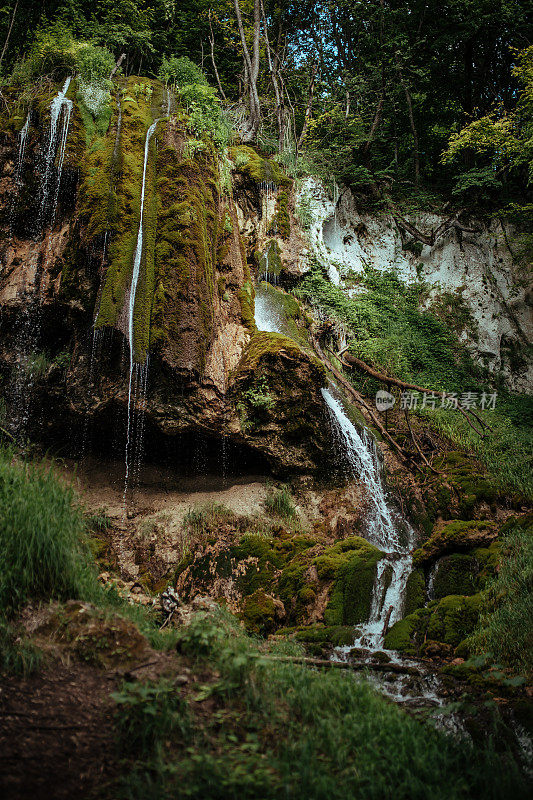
x,y
194,306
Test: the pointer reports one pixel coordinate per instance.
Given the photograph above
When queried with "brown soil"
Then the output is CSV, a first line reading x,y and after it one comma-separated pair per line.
x,y
56,733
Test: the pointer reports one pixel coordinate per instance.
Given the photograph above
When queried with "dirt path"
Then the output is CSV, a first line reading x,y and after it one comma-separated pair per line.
x,y
56,734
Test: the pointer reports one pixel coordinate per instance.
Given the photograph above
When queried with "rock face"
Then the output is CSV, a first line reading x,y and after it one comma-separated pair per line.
x,y
65,288
480,267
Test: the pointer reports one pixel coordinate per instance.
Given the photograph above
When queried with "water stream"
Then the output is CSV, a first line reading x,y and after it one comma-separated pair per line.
x,y
138,372
385,529
29,326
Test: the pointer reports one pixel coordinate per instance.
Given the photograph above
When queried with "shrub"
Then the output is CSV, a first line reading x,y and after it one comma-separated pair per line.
x,y
181,71
146,714
94,64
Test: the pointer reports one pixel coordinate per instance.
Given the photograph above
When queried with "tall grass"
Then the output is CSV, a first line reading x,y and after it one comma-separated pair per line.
x,y
505,626
279,729
279,503
43,547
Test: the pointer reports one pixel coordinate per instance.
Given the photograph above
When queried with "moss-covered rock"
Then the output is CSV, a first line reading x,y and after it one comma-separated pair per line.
x,y
259,169
448,621
457,535
351,564
415,591
259,612
456,574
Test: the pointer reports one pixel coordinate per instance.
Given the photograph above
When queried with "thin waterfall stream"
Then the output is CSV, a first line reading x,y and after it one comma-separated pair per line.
x,y
138,372
387,530
30,324
390,534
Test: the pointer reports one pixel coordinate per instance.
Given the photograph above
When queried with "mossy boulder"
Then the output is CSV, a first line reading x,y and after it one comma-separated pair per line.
x,y
276,395
259,169
454,536
261,612
415,591
456,574
448,621
351,565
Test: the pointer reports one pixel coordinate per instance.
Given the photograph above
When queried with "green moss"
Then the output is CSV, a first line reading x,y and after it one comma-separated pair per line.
x,y
351,564
415,591
259,169
336,635
259,612
281,224
454,536
456,574
448,620
137,116
269,264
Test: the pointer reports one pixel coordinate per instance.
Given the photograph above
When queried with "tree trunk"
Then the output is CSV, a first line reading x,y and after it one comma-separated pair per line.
x,y
309,109
251,70
117,66
408,99
4,48
212,43
280,110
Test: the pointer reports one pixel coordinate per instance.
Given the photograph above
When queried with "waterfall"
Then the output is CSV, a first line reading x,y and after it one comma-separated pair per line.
x,y
394,568
29,326
138,373
55,152
23,138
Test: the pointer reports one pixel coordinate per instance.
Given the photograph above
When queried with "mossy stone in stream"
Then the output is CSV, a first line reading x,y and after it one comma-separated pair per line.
x,y
457,535
351,564
455,574
415,591
448,621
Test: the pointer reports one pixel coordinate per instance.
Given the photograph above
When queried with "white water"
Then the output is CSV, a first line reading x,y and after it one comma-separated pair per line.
x,y
30,323
383,528
138,373
23,138
59,103
269,315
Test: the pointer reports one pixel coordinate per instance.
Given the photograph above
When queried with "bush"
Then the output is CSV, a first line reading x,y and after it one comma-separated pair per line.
x,y
181,72
147,713
43,548
94,64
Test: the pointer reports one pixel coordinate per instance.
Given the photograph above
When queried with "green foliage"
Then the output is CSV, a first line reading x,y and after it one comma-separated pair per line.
x,y
147,714
94,64
279,503
181,72
17,655
505,623
388,328
477,182
43,547
275,732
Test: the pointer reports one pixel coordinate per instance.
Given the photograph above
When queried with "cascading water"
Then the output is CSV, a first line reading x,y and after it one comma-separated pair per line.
x,y
55,153
384,530
138,373
24,372
23,138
